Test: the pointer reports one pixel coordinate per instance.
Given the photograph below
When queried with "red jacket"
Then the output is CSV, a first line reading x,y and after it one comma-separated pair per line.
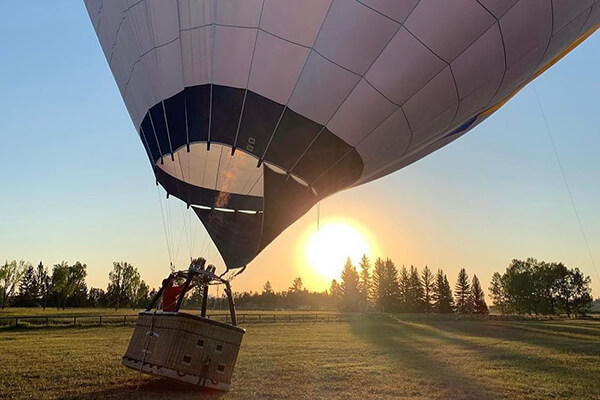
x,y
169,297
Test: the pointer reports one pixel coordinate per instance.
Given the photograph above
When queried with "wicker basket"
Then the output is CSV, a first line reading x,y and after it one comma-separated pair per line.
x,y
185,347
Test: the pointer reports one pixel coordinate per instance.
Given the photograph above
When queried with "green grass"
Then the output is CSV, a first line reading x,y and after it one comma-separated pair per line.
x,y
366,358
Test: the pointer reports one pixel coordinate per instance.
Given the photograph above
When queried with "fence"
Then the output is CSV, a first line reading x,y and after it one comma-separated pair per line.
x,y
130,319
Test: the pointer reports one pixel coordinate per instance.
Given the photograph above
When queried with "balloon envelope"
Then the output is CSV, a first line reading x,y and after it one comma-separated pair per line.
x,y
251,111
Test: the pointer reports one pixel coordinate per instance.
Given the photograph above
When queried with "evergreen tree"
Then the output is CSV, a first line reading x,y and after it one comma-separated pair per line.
x,y
378,284
478,305
428,283
463,293
365,279
438,286
448,305
297,286
267,288
44,284
335,291
391,295
415,293
403,288
442,294
349,287
497,292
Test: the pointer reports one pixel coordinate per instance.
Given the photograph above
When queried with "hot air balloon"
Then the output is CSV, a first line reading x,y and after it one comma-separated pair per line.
x,y
252,111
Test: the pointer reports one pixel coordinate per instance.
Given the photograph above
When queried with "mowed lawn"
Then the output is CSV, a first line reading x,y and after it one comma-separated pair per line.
x,y
367,358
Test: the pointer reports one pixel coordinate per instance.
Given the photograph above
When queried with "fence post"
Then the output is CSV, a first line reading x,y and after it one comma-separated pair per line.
x,y
46,321
259,317
274,317
75,321
289,317
124,319
100,322
316,317
16,322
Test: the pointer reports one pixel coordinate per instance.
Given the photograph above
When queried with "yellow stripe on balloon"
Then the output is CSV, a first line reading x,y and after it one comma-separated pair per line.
x,y
566,51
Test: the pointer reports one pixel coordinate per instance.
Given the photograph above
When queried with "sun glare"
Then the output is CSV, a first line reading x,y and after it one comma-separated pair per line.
x,y
328,248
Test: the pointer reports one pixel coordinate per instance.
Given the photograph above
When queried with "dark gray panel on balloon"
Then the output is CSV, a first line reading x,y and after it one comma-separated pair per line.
x,y
342,175
294,134
148,133
226,110
326,150
157,118
197,99
260,116
175,111
236,235
285,200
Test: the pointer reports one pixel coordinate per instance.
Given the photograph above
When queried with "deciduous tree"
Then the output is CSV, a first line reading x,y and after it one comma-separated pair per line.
x,y
497,292
11,274
124,281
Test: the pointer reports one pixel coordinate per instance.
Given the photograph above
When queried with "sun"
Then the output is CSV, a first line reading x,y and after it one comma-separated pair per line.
x,y
328,248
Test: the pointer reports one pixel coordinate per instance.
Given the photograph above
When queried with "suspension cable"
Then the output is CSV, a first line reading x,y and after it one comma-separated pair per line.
x,y
564,176
319,216
162,213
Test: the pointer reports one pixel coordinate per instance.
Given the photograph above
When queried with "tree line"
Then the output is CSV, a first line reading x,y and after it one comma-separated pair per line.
x,y
383,287
538,287
526,287
23,285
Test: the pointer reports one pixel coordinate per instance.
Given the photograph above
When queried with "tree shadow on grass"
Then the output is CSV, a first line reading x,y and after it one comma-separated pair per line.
x,y
566,335
410,349
150,388
535,333
571,372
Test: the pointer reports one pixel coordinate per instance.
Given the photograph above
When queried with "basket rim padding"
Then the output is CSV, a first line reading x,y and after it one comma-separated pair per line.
x,y
194,317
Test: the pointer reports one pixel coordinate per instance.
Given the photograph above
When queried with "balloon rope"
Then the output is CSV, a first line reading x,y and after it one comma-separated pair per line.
x,y
162,213
319,216
170,227
564,176
183,229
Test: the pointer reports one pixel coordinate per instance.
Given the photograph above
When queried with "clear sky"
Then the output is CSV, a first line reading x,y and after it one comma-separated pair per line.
x,y
76,184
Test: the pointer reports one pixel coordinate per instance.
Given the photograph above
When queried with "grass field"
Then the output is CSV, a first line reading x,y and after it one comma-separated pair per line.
x,y
366,358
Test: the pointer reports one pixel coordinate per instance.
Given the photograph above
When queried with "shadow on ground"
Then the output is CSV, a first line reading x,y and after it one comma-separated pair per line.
x,y
414,351
151,388
490,359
